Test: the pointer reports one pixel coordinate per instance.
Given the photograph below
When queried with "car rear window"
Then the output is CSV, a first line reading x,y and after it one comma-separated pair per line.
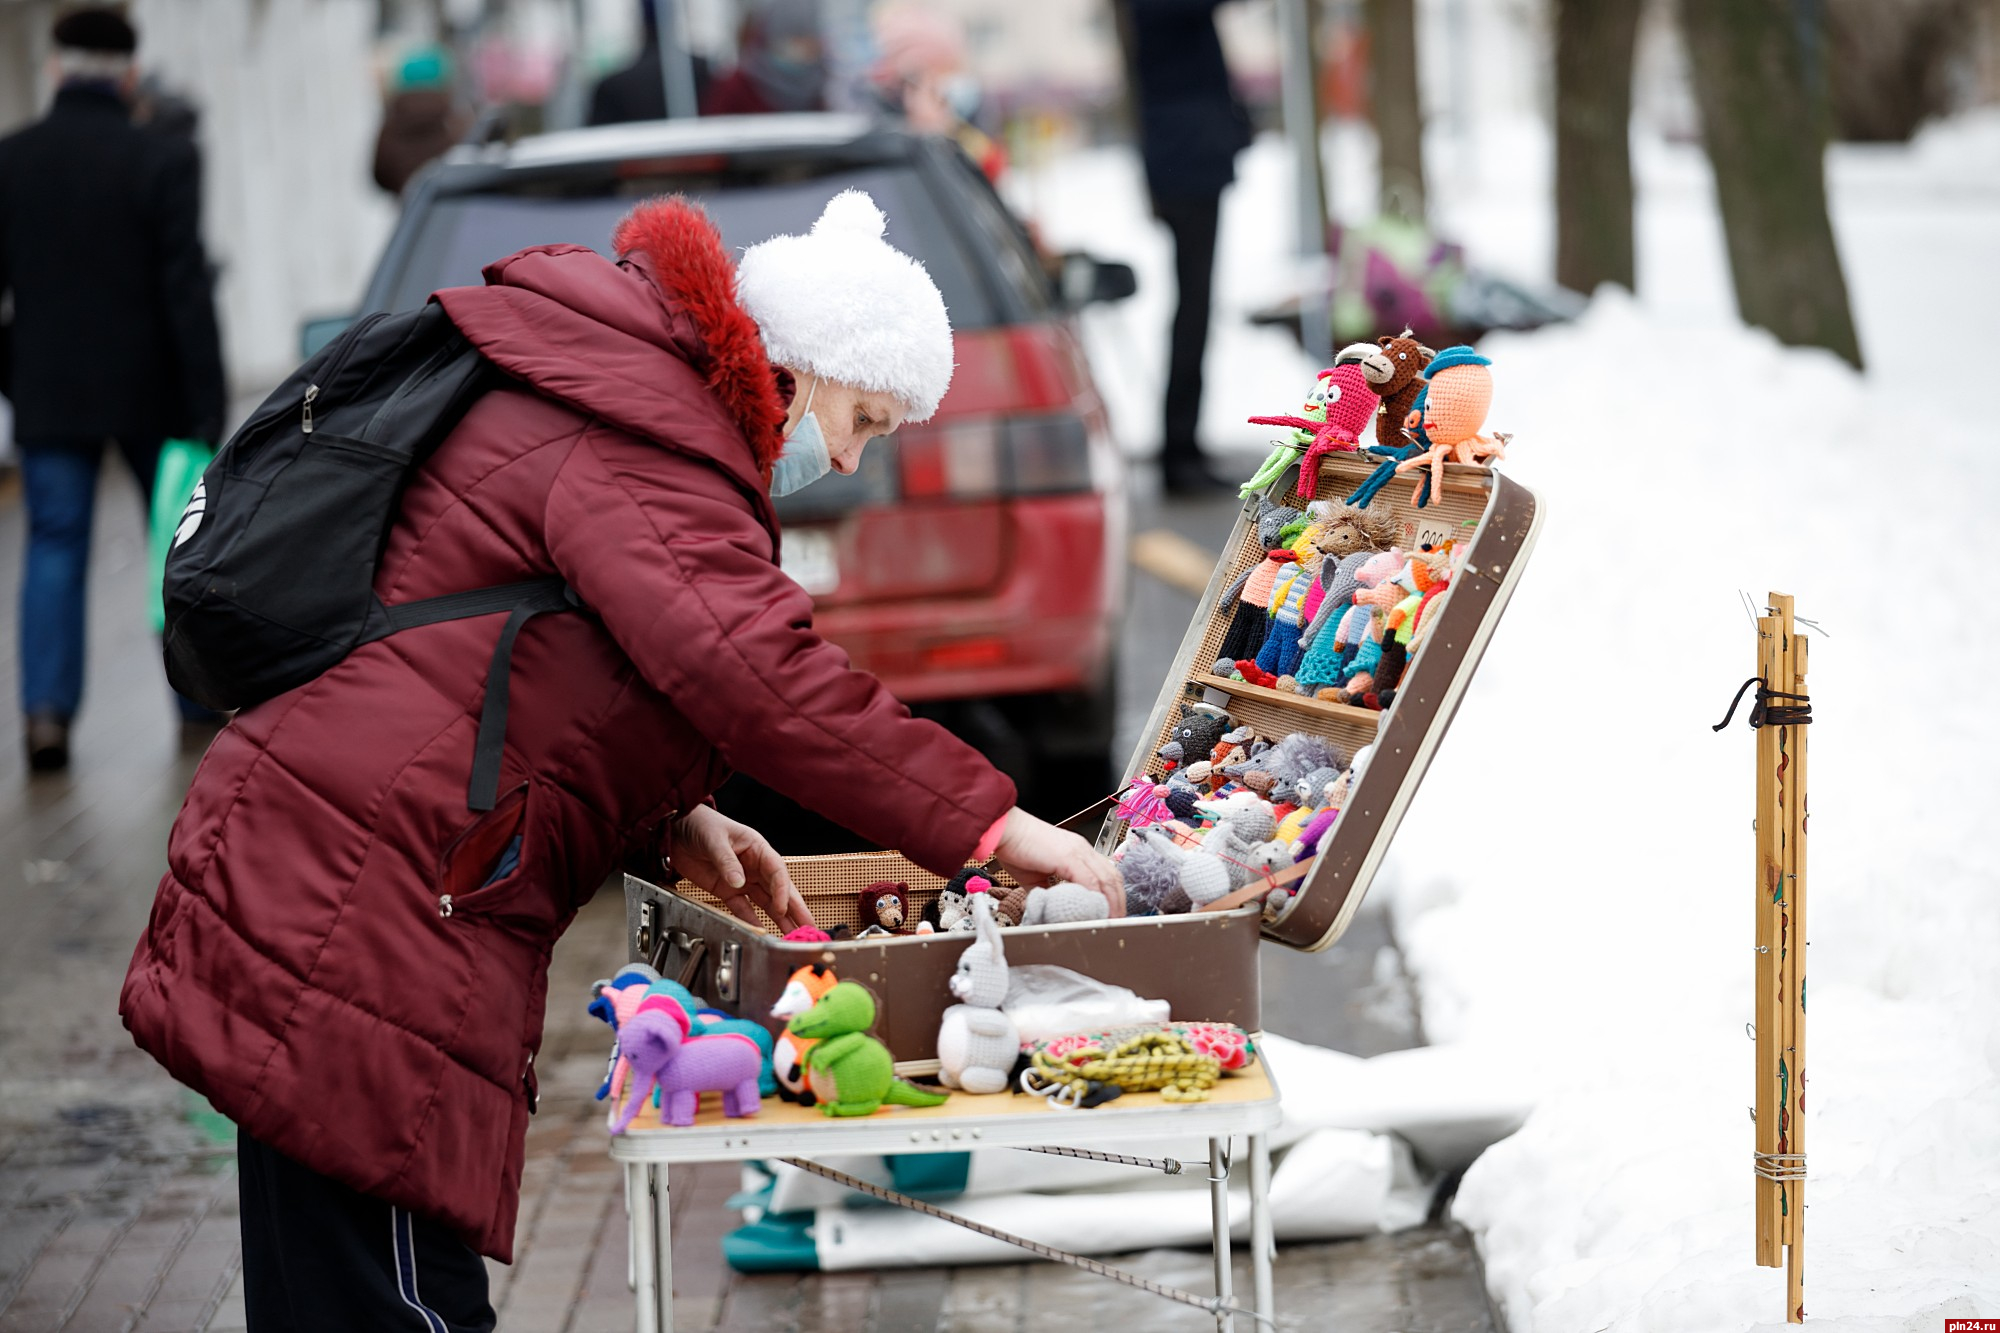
x,y
460,234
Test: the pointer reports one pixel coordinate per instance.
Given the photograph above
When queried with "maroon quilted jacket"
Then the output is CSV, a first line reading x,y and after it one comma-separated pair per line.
x,y
301,968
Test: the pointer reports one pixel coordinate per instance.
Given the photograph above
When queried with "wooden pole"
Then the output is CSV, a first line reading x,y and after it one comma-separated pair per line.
x,y
1781,954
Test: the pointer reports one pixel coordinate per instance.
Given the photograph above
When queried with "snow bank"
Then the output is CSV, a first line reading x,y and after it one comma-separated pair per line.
x,y
1581,896
1572,888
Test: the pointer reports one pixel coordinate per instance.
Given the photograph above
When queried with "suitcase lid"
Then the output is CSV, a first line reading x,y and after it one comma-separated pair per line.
x,y
1503,518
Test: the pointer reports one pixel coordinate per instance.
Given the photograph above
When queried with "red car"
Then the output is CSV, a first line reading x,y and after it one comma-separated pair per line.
x,y
975,563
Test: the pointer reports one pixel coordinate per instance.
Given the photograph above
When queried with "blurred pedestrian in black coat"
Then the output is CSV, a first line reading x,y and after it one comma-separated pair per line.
x,y
1191,126
112,336
638,91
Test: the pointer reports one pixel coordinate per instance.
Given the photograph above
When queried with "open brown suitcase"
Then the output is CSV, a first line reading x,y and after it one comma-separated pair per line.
x,y
1204,963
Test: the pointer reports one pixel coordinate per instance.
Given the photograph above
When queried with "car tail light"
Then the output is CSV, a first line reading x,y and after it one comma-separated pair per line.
x,y
980,457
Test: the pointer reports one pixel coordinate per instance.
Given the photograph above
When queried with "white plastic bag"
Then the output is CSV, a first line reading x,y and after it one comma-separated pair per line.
x,y
1048,1001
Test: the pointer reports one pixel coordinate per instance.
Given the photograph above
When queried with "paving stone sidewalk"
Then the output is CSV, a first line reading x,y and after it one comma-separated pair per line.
x,y
117,1187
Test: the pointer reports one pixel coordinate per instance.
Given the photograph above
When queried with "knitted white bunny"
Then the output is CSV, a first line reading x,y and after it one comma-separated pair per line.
x,y
978,1044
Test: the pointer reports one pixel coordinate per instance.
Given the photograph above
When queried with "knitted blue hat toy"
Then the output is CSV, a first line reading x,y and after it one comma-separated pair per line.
x,y
1460,355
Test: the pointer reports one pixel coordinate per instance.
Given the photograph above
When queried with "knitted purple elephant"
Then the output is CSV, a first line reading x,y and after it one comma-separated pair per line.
x,y
656,1045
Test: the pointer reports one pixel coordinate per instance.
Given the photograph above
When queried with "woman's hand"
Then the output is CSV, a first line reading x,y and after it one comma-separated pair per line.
x,y
735,863
1034,851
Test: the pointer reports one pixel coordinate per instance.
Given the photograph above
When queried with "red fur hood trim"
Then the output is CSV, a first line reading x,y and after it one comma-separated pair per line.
x,y
679,248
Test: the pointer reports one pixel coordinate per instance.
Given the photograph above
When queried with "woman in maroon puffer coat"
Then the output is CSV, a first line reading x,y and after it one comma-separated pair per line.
x,y
351,967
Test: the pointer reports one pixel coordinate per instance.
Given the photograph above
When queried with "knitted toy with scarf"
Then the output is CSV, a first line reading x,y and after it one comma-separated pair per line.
x,y
1347,403
1280,654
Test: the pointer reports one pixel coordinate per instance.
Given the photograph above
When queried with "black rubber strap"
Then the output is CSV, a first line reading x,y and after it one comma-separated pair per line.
x,y
484,791
1764,713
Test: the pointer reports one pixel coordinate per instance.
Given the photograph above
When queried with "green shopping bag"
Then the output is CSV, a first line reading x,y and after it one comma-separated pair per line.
x,y
181,464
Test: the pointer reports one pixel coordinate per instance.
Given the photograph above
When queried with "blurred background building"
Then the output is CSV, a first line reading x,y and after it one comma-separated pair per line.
x,y
290,95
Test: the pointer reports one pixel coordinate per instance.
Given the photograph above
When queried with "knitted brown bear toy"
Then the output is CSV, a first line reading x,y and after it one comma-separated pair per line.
x,y
1409,357
885,904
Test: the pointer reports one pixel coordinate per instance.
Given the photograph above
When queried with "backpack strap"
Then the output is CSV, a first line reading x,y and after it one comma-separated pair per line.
x,y
523,601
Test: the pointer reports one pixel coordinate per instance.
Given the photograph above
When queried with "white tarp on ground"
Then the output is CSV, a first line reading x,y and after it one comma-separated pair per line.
x,y
1344,1165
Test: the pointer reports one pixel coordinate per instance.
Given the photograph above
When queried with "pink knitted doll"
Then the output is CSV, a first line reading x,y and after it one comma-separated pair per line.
x,y
1350,404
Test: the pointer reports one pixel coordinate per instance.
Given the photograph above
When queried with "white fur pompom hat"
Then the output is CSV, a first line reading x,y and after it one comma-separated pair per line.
x,y
845,305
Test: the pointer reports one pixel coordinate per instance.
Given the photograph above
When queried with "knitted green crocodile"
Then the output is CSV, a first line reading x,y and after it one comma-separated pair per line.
x,y
849,1071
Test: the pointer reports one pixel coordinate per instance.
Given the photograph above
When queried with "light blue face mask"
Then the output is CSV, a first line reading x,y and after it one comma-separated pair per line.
x,y
805,459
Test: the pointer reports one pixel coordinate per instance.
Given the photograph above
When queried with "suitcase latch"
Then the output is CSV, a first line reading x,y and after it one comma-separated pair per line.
x,y
642,938
728,968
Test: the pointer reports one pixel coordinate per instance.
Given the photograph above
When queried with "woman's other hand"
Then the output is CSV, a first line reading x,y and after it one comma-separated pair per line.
x,y
738,865
1034,851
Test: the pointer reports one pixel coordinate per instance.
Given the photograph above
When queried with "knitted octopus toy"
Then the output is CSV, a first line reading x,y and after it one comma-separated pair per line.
x,y
1338,409
1458,390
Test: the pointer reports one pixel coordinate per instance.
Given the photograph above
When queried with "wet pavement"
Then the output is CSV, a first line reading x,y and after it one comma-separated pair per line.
x,y
117,1187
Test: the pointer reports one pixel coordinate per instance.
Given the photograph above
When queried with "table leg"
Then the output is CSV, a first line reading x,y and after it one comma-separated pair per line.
x,y
644,1250
1218,1195
631,1237
663,1239
1262,1247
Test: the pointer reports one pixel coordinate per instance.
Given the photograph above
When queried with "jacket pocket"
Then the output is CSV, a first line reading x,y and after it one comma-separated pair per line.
x,y
487,863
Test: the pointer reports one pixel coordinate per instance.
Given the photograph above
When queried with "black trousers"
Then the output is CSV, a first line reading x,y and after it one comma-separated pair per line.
x,y
320,1258
1192,221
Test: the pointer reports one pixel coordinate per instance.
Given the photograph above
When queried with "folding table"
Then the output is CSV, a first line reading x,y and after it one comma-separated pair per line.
x,y
1244,1103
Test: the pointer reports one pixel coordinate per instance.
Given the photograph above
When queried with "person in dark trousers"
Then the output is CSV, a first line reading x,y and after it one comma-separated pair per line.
x,y
111,341
638,91
1191,126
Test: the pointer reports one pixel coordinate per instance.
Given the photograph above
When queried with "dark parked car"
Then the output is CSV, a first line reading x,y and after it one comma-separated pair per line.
x,y
975,563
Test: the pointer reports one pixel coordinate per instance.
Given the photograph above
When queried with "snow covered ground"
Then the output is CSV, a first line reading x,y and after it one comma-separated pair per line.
x,y
1572,888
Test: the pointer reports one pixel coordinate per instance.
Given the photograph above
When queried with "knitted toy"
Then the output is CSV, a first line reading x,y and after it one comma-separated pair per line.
x,y
804,989
885,906
1143,803
1060,904
713,1022
1407,358
1149,873
1194,734
951,910
850,1072
657,1043
1251,596
1458,391
1293,757
1280,654
1347,402
1331,659
1285,452
806,935
978,1044
1325,649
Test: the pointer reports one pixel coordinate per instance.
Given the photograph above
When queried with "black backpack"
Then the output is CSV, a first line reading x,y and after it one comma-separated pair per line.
x,y
271,577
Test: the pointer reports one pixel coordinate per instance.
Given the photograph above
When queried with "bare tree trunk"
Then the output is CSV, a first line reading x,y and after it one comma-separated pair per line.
x,y
1394,102
1595,40
1765,134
